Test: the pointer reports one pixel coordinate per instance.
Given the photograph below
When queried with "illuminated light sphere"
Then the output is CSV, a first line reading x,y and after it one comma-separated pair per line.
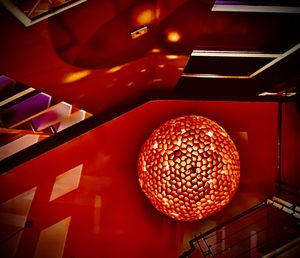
x,y
173,36
189,168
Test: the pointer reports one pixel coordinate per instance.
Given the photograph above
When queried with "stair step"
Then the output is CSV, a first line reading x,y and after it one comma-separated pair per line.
x,y
28,116
16,96
51,116
6,138
18,145
284,206
25,109
73,119
9,87
287,204
281,201
10,135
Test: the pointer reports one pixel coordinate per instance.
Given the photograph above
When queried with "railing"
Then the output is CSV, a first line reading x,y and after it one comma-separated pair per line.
x,y
252,233
28,116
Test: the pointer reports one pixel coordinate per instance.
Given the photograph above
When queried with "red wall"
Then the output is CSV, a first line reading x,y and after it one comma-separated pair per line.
x,y
110,216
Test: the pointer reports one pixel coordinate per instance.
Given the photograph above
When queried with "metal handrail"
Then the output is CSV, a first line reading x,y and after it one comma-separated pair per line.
x,y
223,224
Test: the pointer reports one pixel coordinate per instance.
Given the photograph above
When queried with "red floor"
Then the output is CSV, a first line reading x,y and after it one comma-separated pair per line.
x,y
84,199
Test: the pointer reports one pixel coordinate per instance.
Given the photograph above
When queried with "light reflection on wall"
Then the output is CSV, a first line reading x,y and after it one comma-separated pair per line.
x,y
76,76
114,69
143,15
52,240
66,182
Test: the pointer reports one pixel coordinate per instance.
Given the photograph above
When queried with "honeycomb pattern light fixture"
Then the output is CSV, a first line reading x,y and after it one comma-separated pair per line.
x,y
189,168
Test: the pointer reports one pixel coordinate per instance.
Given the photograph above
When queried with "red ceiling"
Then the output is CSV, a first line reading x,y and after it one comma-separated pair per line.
x,y
94,37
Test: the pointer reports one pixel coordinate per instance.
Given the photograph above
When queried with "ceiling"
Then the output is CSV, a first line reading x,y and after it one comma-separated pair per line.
x,y
88,55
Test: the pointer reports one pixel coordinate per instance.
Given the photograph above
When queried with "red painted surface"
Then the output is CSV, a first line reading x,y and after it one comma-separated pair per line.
x,y
290,143
95,36
126,224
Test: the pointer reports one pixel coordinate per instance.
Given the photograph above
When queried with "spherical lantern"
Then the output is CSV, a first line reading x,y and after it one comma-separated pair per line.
x,y
189,168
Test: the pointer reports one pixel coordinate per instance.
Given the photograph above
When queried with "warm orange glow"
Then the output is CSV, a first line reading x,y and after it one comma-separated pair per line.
x,y
189,168
114,69
173,36
171,56
143,15
73,77
155,50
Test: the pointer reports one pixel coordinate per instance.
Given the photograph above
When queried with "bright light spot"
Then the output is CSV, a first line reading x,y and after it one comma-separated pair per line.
x,y
114,69
183,130
267,94
166,201
223,172
143,70
209,181
180,68
171,56
130,84
155,50
173,36
155,145
143,15
141,181
174,214
73,77
224,134
161,66
210,133
179,143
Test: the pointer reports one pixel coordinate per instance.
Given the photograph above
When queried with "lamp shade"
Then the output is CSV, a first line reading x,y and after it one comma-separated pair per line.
x,y
189,168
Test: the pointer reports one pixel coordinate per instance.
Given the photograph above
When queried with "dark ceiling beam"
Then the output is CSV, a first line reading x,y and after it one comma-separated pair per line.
x,y
257,6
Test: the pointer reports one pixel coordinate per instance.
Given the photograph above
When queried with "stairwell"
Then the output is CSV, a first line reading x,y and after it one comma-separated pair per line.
x,y
28,116
269,229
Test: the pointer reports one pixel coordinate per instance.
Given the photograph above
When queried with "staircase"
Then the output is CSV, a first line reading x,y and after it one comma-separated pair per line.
x,y
269,229
28,116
